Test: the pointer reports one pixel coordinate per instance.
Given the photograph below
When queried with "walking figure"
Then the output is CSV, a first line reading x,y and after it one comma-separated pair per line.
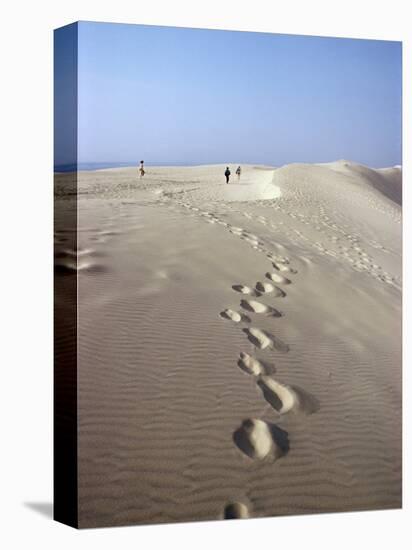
x,y
141,169
238,172
227,174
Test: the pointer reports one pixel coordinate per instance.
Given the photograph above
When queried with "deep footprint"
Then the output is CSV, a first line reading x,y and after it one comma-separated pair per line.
x,y
257,307
276,278
245,290
235,316
236,510
268,288
284,268
279,259
250,365
259,440
263,340
285,398
236,230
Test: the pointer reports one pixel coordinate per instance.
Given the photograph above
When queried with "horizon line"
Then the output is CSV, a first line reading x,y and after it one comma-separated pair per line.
x,y
82,165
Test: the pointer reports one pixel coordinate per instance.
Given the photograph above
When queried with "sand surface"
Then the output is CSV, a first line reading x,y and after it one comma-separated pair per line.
x,y
239,345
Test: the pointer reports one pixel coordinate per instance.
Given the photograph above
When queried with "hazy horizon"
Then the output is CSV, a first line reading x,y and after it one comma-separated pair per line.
x,y
99,165
195,96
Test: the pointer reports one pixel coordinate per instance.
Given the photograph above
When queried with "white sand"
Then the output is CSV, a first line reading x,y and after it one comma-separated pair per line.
x,y
176,356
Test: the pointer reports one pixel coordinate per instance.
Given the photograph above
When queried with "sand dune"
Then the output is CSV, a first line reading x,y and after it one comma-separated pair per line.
x,y
386,180
239,345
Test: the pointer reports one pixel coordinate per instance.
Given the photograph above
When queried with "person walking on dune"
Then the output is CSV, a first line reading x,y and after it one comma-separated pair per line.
x,y
141,169
227,174
238,172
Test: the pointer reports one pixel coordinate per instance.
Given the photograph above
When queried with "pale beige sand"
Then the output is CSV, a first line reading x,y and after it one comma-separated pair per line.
x,y
238,359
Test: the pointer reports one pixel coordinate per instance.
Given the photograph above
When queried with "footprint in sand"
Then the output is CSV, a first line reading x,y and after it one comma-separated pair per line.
x,y
253,366
279,259
280,279
257,307
236,230
259,440
284,268
250,236
253,242
285,398
209,217
250,365
235,316
236,510
263,340
245,290
268,288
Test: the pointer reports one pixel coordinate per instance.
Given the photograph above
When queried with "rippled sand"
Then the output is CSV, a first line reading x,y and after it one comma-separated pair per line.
x,y
239,349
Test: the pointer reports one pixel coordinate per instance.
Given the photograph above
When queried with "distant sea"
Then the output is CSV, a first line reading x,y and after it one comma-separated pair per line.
x,y
101,165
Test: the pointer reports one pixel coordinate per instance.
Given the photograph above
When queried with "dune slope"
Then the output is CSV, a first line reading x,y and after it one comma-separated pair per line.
x,y
240,345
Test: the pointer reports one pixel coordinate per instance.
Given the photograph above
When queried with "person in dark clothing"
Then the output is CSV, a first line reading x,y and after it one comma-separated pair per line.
x,y
227,174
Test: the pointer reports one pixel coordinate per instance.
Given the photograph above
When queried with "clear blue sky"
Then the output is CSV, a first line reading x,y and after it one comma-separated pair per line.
x,y
201,96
